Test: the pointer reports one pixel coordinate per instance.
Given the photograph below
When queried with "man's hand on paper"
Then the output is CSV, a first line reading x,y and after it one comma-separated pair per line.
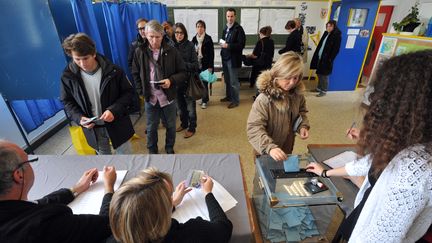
x,y
278,154
206,184
304,133
89,176
110,177
179,193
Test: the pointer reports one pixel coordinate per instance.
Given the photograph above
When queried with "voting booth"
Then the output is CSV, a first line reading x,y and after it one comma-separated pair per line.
x,y
295,206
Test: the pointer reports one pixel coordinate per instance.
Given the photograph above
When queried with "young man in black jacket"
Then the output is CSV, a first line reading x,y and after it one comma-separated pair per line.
x,y
234,40
92,86
48,219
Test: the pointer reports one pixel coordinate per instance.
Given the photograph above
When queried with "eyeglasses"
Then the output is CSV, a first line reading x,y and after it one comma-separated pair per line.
x,y
27,161
179,32
141,29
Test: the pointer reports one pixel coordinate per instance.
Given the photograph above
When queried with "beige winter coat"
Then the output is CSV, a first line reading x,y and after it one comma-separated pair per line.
x,y
273,114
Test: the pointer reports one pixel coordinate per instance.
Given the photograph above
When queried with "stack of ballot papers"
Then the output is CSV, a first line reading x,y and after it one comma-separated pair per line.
x,y
285,224
89,202
194,205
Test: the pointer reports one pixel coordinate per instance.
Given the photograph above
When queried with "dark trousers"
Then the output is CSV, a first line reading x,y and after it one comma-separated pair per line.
x,y
187,108
154,114
323,81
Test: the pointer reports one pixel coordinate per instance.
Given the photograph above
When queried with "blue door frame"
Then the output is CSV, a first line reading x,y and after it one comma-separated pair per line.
x,y
348,63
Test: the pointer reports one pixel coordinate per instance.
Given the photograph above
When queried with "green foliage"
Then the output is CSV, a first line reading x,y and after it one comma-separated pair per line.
x,y
412,17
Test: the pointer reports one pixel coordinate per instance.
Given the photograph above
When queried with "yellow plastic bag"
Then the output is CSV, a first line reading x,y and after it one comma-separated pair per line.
x,y
79,141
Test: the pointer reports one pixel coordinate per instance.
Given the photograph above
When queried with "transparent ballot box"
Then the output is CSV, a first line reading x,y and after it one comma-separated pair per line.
x,y
295,206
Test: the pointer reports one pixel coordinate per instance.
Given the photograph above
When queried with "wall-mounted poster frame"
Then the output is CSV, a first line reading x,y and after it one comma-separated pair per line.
x,y
357,17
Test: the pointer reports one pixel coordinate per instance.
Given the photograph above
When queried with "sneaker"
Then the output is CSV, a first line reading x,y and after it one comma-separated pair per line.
x,y
321,94
188,134
180,128
204,105
232,105
317,90
226,99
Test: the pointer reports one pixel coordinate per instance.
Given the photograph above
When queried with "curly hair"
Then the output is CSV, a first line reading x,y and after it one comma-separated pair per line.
x,y
400,113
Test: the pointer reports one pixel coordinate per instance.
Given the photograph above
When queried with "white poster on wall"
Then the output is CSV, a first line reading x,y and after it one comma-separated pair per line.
x,y
249,17
189,17
276,18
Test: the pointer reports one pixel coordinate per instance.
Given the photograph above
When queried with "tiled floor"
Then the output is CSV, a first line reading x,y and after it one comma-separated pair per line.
x,y
222,130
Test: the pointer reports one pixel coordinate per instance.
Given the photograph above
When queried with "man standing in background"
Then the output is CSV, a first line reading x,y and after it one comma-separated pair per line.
x,y
92,86
232,44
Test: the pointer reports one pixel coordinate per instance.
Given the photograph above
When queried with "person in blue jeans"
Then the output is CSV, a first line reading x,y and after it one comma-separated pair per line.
x,y
186,104
157,69
234,40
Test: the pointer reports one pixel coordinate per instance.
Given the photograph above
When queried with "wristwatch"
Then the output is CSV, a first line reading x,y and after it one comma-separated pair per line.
x,y
75,193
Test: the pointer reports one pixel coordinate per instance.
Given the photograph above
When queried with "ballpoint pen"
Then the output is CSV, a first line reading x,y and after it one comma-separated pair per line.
x,y
349,130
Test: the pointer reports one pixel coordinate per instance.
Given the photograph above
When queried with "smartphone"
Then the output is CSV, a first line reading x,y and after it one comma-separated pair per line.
x,y
194,178
90,120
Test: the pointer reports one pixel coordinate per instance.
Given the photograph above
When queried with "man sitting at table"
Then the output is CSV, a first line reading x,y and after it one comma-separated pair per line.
x,y
48,219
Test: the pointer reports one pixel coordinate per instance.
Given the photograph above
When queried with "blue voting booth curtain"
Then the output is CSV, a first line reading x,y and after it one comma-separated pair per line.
x,y
32,113
120,25
85,21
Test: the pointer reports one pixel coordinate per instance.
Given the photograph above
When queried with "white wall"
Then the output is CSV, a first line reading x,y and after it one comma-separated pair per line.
x,y
312,15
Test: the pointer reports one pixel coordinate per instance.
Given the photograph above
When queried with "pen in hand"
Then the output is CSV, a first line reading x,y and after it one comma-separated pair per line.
x,y
349,130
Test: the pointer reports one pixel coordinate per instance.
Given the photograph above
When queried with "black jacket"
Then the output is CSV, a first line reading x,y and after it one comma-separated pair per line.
x,y
171,62
264,46
139,41
116,94
207,50
324,65
293,42
236,40
187,51
217,230
51,220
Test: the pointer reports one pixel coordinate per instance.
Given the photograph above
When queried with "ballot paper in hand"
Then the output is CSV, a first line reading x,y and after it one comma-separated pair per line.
x,y
194,205
341,159
89,202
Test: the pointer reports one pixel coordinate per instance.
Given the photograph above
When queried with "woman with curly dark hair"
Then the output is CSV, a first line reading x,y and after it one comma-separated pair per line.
x,y
394,203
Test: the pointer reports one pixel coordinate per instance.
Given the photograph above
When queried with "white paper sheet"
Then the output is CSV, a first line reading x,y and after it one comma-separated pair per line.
x,y
193,204
189,17
353,31
89,202
351,41
249,17
341,159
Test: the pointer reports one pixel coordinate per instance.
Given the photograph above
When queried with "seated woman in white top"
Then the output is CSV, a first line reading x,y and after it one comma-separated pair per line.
x,y
394,203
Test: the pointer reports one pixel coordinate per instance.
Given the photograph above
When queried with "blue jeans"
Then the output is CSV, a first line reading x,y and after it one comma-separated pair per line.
x,y
187,109
104,146
232,82
154,115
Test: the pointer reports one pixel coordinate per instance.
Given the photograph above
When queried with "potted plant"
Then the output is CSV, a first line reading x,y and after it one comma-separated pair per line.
x,y
410,22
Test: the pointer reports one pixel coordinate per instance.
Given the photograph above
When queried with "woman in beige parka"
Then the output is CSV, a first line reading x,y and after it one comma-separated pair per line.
x,y
280,110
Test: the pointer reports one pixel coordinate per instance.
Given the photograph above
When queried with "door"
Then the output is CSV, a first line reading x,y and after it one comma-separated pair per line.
x,y
381,26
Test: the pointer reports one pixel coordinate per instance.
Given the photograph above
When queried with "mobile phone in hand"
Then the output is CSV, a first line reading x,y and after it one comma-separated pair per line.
x,y
90,120
194,178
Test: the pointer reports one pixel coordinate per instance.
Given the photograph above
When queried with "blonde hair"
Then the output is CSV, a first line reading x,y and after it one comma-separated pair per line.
x,y
288,64
141,209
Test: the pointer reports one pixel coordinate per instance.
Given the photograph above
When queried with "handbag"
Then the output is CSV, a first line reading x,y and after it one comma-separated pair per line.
x,y
79,141
196,88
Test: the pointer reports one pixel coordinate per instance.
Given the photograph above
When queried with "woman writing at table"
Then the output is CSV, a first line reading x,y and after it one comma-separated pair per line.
x,y
394,203
141,210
